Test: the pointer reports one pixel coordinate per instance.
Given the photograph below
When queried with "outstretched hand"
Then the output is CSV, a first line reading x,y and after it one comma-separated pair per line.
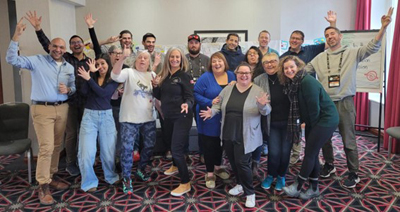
x,y
89,20
331,17
113,39
205,114
34,20
386,19
92,65
263,99
83,73
19,29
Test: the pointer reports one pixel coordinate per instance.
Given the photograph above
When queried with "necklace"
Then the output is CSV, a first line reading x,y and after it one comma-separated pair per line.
x,y
273,81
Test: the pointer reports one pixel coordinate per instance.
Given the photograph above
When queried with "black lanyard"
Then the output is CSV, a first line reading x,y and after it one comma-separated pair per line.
x,y
340,63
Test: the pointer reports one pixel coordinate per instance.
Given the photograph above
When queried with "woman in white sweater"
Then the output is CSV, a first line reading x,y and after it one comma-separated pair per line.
x,y
136,115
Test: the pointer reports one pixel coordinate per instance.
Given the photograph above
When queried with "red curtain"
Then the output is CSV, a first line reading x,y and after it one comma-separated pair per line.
x,y
392,103
361,101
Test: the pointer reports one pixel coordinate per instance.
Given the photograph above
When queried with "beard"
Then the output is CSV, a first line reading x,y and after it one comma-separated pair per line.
x,y
194,51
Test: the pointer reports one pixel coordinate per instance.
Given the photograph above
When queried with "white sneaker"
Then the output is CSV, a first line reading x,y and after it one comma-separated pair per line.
x,y
251,201
238,189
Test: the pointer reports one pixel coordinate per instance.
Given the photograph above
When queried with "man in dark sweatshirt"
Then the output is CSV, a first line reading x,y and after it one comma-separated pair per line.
x,y
232,51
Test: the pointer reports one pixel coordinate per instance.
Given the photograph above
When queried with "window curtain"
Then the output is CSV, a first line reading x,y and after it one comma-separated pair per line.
x,y
392,103
361,101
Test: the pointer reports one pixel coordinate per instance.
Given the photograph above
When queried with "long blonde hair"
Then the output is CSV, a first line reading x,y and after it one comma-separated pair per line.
x,y
166,68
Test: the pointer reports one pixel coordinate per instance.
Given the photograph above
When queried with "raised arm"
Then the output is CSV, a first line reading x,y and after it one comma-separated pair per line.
x,y
116,71
385,20
109,40
36,23
331,18
90,23
12,57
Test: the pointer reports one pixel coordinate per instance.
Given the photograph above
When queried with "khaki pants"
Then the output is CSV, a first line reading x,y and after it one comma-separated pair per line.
x,y
49,123
347,120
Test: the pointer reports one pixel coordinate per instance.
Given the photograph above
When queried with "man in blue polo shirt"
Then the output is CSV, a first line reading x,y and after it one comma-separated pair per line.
x,y
53,80
305,53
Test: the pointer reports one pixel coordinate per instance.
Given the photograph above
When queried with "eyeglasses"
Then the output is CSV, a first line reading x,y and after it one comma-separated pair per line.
x,y
116,53
294,38
76,42
252,53
269,62
244,73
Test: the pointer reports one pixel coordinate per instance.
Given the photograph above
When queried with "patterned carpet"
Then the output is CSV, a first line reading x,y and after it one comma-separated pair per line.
x,y
379,189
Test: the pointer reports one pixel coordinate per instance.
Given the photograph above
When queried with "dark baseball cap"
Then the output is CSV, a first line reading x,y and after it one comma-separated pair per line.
x,y
194,36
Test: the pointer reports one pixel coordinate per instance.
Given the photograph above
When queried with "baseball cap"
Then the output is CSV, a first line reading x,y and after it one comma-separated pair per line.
x,y
194,36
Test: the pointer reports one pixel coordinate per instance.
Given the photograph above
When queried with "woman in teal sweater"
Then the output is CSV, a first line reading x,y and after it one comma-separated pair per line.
x,y
309,104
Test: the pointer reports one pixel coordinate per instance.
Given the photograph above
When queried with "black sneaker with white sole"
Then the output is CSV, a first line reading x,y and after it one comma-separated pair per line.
x,y
351,180
327,170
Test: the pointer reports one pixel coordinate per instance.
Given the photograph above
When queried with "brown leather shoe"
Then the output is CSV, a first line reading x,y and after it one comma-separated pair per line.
x,y
94,189
58,185
45,195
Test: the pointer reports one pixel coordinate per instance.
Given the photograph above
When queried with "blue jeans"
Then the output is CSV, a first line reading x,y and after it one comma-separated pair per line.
x,y
97,123
129,136
279,149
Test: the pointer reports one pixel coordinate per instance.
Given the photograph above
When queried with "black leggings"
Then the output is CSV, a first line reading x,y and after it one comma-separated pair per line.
x,y
212,151
315,139
241,165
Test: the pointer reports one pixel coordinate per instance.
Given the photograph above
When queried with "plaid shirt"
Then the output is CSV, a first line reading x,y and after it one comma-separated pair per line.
x,y
77,98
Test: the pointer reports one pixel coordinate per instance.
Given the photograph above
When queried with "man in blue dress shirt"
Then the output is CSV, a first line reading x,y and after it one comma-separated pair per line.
x,y
53,81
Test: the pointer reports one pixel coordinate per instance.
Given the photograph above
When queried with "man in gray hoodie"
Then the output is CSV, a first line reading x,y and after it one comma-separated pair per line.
x,y
336,70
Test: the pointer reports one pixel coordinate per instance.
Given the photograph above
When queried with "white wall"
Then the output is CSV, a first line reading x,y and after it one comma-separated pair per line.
x,y
173,20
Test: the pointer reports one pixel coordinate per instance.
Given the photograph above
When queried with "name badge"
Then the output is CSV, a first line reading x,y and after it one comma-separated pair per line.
x,y
334,81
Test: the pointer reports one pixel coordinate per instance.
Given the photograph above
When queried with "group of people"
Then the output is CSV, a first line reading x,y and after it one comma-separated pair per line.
x,y
239,101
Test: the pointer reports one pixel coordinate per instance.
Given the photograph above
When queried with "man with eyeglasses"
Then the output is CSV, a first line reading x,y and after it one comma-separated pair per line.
x,y
125,42
305,53
76,102
53,82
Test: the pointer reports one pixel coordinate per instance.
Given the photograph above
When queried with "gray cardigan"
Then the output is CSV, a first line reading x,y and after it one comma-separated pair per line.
x,y
263,82
252,111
